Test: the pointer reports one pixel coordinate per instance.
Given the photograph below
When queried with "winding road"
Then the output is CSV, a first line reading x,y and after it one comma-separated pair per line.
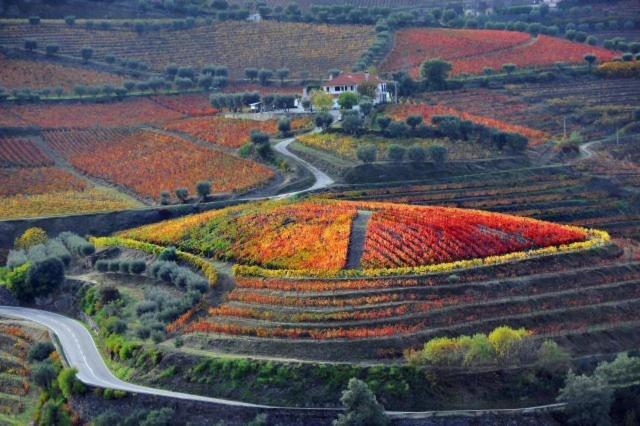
x,y
81,352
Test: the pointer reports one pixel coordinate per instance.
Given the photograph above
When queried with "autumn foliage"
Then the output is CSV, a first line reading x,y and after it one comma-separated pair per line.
x,y
161,162
401,112
471,51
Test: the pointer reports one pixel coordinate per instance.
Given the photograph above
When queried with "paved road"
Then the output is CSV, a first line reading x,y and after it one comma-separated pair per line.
x,y
81,352
322,179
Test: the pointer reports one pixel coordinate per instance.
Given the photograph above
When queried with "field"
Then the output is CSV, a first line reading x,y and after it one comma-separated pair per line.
x,y
401,112
347,146
21,152
24,73
131,112
228,132
161,162
268,44
46,191
471,51
594,107
18,395
397,236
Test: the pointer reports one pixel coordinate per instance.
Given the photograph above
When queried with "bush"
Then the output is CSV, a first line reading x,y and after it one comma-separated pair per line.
x,y
76,244
44,276
552,357
125,267
114,325
114,266
366,153
589,399
102,266
31,237
396,129
138,267
40,351
396,152
169,254
69,384
361,406
416,153
44,374
438,154
203,188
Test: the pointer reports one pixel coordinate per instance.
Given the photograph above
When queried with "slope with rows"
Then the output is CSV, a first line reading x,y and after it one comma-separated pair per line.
x,y
471,51
267,44
161,162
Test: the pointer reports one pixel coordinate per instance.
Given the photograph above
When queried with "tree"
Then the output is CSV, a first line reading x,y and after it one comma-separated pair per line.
x,y
86,53
259,138
368,88
69,384
251,73
40,351
284,126
506,339
414,121
334,72
282,73
31,237
30,45
264,75
43,374
351,123
367,153
416,153
383,121
321,100
361,407
438,154
590,59
204,189
435,72
396,152
552,357
52,49
182,194
588,399
366,106
44,276
324,120
347,100
397,129
509,68
54,413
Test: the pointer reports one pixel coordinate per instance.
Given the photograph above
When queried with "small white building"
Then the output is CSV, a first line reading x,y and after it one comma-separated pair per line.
x,y
348,82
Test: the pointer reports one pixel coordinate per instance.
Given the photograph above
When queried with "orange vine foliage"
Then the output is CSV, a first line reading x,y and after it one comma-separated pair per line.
x,y
401,112
150,162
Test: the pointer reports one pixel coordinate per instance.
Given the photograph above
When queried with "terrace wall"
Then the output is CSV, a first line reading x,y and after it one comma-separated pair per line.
x,y
386,172
103,223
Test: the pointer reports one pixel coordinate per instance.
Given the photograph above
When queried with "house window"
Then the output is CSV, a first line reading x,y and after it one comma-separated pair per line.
x,y
338,88
352,88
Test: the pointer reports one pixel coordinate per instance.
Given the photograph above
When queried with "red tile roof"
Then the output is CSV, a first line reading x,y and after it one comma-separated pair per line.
x,y
347,79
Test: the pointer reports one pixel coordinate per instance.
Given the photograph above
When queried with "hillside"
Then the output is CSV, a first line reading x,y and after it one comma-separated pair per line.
x,y
303,48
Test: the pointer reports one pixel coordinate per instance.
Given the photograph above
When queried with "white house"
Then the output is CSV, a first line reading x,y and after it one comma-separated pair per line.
x,y
348,82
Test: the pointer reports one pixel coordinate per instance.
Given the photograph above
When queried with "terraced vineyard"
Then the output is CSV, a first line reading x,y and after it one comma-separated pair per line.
x,y
594,107
22,73
162,162
568,291
18,396
266,44
558,194
471,51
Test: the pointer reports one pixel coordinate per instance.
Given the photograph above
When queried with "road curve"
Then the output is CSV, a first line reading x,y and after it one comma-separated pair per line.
x,y
81,352
322,179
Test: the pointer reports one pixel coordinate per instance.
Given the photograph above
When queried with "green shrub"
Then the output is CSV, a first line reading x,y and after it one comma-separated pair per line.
x,y
396,152
43,277
416,153
40,351
69,384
